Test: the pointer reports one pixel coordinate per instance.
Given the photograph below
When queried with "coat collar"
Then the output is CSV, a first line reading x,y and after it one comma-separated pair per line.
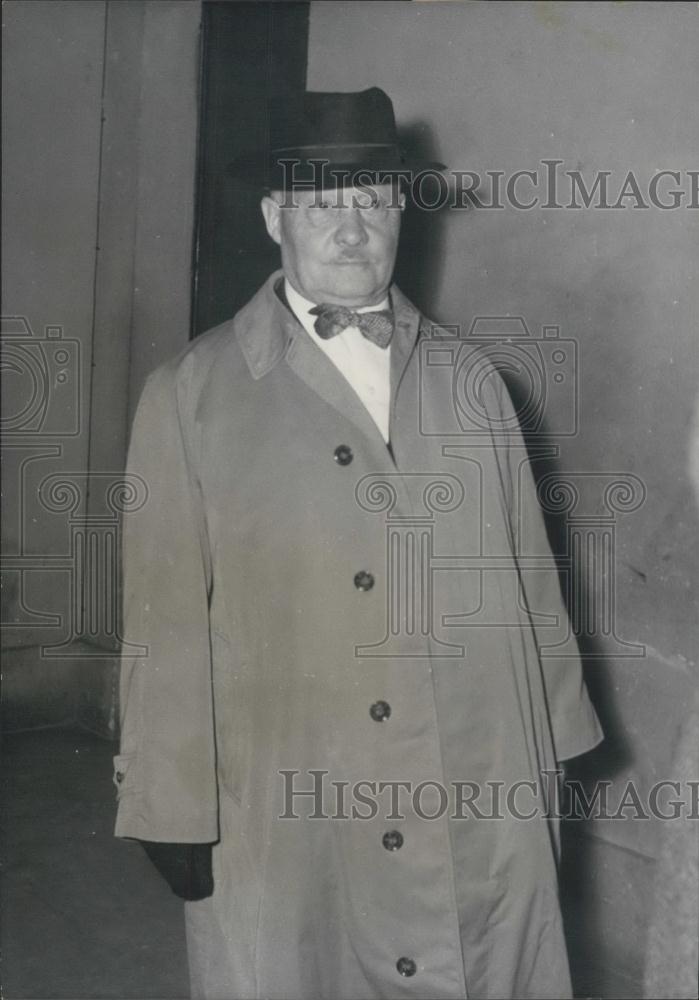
x,y
266,329
268,332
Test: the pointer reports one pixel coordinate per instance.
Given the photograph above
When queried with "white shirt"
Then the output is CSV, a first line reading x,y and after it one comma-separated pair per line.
x,y
366,367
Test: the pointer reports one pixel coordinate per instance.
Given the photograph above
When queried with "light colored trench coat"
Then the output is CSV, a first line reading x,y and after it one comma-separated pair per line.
x,y
265,656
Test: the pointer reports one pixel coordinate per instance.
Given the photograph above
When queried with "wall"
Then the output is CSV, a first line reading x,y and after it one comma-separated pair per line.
x,y
99,128
500,87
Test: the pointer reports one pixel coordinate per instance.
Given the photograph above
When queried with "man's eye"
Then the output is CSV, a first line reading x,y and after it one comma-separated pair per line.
x,y
370,203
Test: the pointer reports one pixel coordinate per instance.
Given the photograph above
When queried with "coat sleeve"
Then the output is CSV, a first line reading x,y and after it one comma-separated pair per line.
x,y
574,723
165,773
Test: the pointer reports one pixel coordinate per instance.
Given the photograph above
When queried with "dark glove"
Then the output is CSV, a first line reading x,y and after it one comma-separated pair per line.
x,y
185,867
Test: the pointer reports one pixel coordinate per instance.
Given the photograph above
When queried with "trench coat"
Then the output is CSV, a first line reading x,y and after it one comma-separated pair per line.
x,y
322,614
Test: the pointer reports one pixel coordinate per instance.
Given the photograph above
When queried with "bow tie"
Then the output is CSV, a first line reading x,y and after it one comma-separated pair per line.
x,y
376,326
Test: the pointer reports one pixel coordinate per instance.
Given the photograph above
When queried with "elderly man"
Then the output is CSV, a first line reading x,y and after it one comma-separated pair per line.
x,y
344,664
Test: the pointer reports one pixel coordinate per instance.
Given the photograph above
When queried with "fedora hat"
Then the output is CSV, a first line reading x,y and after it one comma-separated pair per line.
x,y
323,138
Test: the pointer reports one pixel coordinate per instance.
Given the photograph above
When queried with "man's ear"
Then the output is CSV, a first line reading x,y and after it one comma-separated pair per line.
x,y
271,211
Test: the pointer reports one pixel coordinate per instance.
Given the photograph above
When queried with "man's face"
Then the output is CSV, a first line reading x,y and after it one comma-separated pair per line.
x,y
337,245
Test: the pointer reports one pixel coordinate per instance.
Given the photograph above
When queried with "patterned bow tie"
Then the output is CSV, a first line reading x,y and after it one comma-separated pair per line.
x,y
376,326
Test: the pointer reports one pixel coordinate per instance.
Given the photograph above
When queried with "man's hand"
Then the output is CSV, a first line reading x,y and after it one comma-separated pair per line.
x,y
185,867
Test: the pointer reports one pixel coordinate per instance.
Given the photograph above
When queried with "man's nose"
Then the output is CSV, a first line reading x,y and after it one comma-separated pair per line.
x,y
351,231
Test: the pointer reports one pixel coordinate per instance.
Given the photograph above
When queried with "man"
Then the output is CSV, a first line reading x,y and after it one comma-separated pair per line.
x,y
301,656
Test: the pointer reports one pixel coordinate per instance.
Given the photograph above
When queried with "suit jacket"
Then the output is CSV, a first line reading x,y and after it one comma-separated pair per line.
x,y
291,578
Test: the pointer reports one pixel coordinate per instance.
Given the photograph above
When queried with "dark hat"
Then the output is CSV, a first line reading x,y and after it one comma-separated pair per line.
x,y
319,136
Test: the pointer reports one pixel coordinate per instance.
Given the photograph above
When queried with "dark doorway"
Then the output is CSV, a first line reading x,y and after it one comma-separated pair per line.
x,y
252,52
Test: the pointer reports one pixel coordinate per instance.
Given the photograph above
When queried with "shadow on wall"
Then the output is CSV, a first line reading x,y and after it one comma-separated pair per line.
x,y
421,248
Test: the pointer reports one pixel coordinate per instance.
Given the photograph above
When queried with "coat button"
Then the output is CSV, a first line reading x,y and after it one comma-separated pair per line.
x,y
363,580
380,711
393,840
343,454
406,966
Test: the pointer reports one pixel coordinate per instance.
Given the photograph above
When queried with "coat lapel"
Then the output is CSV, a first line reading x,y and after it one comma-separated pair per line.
x,y
268,331
320,374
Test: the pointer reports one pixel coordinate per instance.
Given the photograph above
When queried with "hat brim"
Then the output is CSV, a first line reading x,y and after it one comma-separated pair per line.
x,y
320,167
